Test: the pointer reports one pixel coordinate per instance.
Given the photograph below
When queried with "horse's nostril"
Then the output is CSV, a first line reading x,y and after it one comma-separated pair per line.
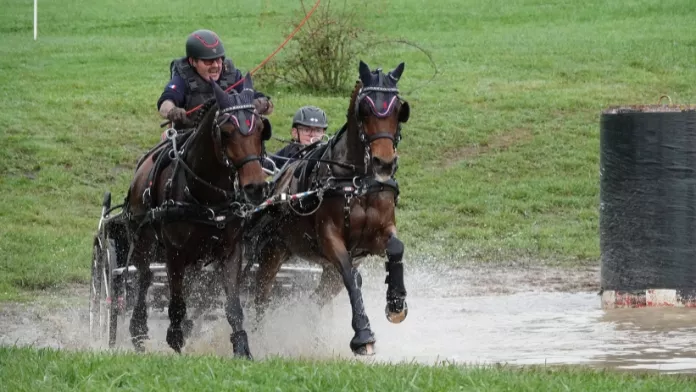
x,y
255,192
378,162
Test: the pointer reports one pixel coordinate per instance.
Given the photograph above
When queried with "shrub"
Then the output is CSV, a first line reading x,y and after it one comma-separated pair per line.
x,y
321,57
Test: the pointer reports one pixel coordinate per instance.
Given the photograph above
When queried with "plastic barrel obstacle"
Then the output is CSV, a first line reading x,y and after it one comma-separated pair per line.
x,y
648,206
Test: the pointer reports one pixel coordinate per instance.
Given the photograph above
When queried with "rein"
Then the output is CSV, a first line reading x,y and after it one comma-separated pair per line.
x,y
175,155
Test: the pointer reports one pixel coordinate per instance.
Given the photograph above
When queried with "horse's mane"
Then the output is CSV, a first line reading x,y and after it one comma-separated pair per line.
x,y
203,118
350,115
203,111
353,99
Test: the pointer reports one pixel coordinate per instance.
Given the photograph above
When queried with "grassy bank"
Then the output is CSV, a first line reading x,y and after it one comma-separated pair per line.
x,y
50,370
499,159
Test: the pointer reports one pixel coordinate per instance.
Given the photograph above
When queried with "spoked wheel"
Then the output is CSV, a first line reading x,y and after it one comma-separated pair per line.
x,y
101,306
116,292
98,296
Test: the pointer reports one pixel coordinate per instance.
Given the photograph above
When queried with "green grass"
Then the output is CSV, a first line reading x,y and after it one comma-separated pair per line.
x,y
52,370
499,159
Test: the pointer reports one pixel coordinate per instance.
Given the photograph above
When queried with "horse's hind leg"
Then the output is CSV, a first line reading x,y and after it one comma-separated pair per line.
x,y
138,323
396,309
330,284
177,302
270,261
232,268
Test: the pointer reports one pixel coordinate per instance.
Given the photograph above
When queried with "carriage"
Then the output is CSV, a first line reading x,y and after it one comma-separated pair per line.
x,y
113,282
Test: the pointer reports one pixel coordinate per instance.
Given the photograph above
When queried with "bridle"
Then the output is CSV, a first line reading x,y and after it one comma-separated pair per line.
x,y
388,106
245,111
224,116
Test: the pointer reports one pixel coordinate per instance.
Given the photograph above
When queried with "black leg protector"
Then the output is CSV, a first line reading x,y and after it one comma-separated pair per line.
x,y
395,269
396,309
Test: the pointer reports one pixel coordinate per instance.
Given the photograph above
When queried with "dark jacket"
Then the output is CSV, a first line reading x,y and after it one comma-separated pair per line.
x,y
286,152
187,89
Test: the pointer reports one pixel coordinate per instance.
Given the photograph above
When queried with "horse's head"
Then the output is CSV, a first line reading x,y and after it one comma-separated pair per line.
x,y
239,133
380,112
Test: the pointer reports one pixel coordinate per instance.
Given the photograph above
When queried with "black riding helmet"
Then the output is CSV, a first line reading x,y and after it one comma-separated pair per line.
x,y
310,116
204,44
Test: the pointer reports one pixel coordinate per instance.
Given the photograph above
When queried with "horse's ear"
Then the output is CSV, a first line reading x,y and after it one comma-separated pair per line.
x,y
396,72
248,83
404,112
365,74
221,97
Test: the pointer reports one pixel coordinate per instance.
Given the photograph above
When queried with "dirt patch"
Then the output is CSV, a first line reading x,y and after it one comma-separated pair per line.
x,y
499,142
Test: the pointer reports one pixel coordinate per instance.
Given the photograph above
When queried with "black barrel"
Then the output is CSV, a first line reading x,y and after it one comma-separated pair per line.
x,y
648,197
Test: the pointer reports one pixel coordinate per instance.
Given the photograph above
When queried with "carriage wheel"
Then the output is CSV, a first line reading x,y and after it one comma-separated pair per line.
x,y
98,303
101,306
116,292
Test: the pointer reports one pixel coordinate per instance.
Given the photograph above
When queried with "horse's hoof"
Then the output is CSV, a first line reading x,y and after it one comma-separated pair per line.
x,y
139,342
240,345
396,317
246,355
175,339
365,350
363,343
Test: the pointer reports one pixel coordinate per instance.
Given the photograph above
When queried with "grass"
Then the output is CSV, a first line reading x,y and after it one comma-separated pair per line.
x,y
500,159
52,370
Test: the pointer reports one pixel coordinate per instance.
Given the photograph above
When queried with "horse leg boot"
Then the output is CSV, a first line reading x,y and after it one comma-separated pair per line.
x,y
138,323
232,268
396,309
363,341
137,255
177,304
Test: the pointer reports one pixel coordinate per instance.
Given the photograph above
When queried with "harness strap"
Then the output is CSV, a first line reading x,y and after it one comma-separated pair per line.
x,y
218,216
346,218
162,158
348,188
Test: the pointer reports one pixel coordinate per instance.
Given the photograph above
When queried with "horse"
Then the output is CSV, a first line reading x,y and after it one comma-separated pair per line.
x,y
350,213
189,198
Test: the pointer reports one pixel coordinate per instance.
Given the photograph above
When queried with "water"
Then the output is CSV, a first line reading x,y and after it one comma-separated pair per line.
x,y
518,316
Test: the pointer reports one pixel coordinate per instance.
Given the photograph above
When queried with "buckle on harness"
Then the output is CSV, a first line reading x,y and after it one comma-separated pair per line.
x,y
170,133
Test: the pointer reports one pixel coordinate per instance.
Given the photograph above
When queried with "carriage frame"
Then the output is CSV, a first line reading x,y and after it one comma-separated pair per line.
x,y
113,280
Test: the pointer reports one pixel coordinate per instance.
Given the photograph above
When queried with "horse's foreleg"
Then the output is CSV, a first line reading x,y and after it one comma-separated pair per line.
x,y
137,256
232,268
363,341
177,303
396,309
138,323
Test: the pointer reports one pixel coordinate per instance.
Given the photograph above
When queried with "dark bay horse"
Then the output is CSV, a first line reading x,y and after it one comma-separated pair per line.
x,y
188,197
353,214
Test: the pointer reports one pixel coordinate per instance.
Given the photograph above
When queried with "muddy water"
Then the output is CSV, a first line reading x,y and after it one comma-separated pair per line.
x,y
516,314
